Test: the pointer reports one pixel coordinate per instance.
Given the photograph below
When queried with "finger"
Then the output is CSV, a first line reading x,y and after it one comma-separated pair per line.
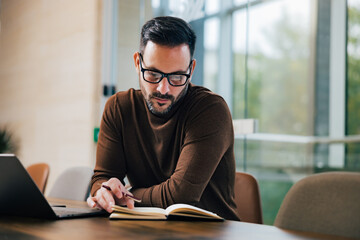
x,y
97,206
116,187
91,201
129,203
104,198
118,191
107,199
105,203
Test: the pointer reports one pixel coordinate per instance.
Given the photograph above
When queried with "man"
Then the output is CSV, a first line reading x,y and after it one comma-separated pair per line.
x,y
173,140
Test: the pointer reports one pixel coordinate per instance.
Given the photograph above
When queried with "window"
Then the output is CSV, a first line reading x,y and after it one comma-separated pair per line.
x,y
353,81
287,64
211,51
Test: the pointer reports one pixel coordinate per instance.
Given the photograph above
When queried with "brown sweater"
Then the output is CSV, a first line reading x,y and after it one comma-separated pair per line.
x,y
187,157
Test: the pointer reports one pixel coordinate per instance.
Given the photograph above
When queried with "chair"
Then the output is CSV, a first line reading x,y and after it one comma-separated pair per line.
x,y
326,203
39,172
247,198
72,184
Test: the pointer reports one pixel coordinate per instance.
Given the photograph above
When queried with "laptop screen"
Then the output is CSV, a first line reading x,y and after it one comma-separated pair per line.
x,y
21,197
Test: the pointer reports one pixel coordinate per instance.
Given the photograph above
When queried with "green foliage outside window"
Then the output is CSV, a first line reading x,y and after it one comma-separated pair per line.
x,y
278,96
353,84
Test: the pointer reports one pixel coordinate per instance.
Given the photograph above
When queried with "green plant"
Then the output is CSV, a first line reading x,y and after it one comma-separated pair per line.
x,y
7,142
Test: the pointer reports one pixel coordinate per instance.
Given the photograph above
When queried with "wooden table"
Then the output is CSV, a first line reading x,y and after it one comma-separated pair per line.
x,y
103,228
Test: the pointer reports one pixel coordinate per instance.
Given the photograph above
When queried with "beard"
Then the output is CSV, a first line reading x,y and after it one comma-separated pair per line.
x,y
173,101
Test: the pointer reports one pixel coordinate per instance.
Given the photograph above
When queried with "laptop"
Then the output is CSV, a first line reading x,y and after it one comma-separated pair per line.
x,y
20,196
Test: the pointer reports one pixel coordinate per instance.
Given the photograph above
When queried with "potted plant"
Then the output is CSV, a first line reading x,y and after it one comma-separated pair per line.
x,y
7,141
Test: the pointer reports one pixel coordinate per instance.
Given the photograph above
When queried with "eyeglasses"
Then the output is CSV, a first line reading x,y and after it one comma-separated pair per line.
x,y
174,79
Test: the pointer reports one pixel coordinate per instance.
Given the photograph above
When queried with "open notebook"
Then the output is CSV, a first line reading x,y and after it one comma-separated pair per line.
x,y
174,212
21,197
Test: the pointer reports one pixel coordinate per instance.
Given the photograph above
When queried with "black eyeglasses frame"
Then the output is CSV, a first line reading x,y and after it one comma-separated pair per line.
x,y
164,75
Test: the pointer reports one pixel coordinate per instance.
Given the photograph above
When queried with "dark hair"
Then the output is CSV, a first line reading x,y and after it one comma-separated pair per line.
x,y
168,31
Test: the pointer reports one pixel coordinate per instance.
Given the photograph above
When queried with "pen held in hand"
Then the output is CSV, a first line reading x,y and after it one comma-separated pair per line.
x,y
132,197
125,194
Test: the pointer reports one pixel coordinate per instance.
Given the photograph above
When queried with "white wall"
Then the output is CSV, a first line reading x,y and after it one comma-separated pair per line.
x,y
50,79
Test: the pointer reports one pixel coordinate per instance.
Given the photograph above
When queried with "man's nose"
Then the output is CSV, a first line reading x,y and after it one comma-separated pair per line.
x,y
163,86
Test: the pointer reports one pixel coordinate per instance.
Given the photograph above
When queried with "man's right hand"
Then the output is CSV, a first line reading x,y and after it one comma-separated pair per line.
x,y
113,193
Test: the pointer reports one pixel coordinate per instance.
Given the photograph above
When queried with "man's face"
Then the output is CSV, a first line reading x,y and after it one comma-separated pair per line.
x,y
160,97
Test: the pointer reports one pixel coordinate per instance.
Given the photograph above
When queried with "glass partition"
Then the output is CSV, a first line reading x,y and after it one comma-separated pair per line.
x,y
353,81
292,66
211,50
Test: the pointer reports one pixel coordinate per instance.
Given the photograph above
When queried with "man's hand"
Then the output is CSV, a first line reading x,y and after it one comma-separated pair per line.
x,y
112,193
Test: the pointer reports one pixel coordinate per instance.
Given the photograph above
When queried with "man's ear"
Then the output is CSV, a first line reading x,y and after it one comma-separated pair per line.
x,y
192,67
137,62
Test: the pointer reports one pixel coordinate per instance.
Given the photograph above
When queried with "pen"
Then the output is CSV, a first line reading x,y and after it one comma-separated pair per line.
x,y
125,194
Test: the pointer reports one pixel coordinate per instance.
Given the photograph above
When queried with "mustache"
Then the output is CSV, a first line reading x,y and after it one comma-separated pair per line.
x,y
163,96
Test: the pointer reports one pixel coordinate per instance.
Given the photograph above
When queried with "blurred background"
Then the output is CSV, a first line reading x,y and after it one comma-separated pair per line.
x,y
291,65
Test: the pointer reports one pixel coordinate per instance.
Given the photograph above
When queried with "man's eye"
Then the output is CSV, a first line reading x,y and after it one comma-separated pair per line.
x,y
155,74
176,77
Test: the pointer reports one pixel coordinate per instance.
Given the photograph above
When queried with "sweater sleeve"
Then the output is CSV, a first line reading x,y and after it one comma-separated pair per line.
x,y
110,160
208,136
